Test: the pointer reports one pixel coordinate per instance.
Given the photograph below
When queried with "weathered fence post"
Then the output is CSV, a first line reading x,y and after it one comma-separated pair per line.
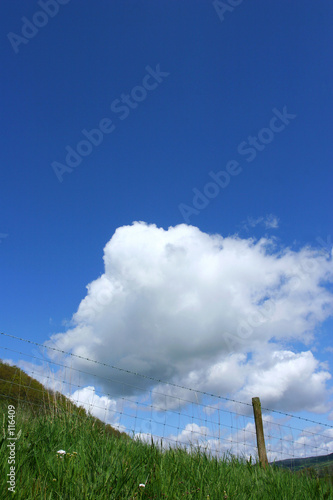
x,y
260,432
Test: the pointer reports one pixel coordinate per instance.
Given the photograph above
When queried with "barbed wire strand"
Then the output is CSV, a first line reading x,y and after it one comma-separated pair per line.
x,y
136,417
161,381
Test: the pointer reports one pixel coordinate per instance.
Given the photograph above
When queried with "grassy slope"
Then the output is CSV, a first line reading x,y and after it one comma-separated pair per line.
x,y
109,465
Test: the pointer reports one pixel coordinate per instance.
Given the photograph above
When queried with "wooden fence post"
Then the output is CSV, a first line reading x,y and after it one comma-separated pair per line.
x,y
260,432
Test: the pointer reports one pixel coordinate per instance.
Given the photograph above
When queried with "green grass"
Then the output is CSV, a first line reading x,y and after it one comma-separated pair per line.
x,y
110,465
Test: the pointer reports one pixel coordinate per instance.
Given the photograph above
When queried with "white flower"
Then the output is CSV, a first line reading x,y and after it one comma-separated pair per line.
x,y
141,485
61,453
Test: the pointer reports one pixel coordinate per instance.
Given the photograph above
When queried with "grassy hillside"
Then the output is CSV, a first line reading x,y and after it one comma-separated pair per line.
x,y
16,385
101,463
33,399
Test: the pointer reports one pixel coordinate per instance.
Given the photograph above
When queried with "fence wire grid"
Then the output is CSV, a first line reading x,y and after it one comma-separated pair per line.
x,y
169,414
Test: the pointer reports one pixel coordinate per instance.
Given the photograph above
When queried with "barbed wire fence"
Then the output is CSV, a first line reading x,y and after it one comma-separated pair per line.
x,y
169,414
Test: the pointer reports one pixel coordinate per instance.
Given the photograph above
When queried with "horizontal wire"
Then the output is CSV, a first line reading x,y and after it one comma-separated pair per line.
x,y
141,418
117,424
151,407
279,439
124,370
129,415
161,381
125,383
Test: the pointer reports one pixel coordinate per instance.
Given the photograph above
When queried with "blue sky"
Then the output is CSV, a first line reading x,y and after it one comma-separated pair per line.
x,y
182,91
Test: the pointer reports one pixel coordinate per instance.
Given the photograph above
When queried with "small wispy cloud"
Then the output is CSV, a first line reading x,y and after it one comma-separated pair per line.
x,y
271,222
268,221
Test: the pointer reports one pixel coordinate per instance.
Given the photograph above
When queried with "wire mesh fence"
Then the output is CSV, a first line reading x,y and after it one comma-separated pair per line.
x,y
149,409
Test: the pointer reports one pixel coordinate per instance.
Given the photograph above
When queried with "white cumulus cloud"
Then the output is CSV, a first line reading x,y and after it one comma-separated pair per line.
x,y
204,311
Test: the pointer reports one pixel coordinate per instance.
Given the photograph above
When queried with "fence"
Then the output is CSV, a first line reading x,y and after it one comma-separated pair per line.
x,y
170,414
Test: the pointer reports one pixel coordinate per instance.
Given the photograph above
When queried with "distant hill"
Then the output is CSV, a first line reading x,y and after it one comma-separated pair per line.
x,y
323,464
